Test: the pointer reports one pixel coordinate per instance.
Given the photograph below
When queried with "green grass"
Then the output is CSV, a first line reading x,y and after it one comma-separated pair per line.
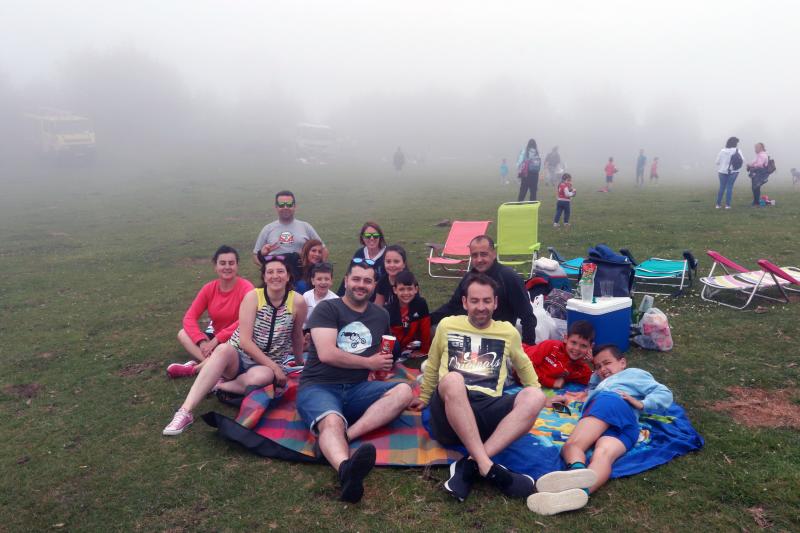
x,y
100,264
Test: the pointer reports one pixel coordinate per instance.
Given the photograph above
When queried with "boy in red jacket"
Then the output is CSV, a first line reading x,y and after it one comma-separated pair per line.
x,y
409,318
560,362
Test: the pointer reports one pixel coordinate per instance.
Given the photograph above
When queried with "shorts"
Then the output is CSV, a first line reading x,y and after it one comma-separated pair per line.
x,y
609,179
348,400
622,420
245,362
488,411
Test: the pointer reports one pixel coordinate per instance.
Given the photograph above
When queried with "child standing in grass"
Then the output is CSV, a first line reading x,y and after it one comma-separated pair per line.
x,y
610,170
654,171
609,423
564,195
504,172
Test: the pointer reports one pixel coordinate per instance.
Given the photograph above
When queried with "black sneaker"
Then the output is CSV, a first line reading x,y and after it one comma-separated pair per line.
x,y
462,475
353,471
511,484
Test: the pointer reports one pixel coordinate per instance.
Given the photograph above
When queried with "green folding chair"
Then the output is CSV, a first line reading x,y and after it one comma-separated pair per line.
x,y
518,235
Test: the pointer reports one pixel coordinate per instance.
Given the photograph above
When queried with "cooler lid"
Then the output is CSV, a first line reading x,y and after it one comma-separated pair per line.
x,y
601,305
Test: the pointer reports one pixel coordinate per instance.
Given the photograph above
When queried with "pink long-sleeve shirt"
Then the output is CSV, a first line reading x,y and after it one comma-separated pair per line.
x,y
760,161
222,307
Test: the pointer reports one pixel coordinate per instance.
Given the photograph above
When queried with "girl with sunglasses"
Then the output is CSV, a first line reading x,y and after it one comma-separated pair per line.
x,y
270,330
373,246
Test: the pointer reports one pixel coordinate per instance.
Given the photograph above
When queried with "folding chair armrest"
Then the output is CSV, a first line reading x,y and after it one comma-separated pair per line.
x,y
721,259
535,247
434,246
555,255
774,269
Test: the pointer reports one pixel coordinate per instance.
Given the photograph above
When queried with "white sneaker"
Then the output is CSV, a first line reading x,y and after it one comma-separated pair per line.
x,y
182,420
561,480
717,207
727,207
550,503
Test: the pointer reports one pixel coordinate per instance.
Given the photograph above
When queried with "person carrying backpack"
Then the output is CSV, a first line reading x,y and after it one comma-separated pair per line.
x,y
529,164
729,162
759,170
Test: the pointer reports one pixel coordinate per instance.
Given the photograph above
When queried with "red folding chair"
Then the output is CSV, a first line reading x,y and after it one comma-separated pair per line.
x,y
453,258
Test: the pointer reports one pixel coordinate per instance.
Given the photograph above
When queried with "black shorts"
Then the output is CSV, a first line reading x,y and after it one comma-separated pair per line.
x,y
488,411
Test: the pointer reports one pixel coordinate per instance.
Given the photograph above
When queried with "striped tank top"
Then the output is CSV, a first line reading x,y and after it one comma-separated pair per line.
x,y
272,331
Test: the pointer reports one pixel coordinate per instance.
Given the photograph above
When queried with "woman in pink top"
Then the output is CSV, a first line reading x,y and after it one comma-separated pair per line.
x,y
221,299
757,170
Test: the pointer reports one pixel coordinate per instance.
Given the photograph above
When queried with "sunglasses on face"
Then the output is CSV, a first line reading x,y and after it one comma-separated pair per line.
x,y
371,235
559,407
284,204
360,260
268,258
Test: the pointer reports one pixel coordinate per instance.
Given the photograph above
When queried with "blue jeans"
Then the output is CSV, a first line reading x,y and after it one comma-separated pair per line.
x,y
349,401
726,185
562,206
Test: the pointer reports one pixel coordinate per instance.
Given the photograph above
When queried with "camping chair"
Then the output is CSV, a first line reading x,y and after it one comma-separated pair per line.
x,y
668,275
571,266
518,234
740,281
454,255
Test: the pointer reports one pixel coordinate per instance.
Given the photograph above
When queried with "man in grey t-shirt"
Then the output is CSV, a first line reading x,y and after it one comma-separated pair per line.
x,y
335,399
287,235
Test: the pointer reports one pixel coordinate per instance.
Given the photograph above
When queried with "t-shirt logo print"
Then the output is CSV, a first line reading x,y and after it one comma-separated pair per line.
x,y
286,237
354,338
476,358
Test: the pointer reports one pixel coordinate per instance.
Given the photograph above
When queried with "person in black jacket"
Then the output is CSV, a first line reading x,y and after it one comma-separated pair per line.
x,y
512,298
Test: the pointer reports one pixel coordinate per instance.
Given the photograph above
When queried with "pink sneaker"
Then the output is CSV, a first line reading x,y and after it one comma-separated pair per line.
x,y
182,420
178,370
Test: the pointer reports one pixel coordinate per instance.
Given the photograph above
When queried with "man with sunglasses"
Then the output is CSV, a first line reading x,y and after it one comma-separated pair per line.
x,y
334,398
513,302
286,235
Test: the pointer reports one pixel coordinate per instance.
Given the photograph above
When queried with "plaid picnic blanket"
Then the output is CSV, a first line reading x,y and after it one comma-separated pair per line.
x,y
271,427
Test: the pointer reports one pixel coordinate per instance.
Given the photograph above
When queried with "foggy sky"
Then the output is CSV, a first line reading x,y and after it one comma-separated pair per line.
x,y
727,65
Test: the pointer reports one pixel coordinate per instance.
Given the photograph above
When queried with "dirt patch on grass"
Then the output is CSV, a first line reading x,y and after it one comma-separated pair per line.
x,y
136,369
762,408
26,390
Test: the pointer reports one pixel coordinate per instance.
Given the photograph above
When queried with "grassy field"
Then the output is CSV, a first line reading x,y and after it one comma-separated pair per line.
x,y
100,264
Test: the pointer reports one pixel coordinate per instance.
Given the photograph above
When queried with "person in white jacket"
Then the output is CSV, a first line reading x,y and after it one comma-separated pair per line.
x,y
728,169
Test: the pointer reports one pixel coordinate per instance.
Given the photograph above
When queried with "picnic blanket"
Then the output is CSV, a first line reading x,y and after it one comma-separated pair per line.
x,y
271,427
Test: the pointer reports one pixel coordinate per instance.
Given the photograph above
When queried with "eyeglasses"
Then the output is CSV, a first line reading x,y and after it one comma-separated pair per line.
x,y
559,407
359,260
284,204
268,258
371,235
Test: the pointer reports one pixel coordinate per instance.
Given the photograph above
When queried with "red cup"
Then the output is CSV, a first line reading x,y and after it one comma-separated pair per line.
x,y
387,345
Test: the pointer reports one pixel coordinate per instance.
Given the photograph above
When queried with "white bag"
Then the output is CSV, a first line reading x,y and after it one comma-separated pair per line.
x,y
655,332
546,328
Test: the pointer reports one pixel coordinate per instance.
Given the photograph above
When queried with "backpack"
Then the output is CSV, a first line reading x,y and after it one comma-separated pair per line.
x,y
736,161
770,166
534,161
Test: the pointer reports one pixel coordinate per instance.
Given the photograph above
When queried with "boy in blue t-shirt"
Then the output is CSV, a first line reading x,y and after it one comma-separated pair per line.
x,y
609,423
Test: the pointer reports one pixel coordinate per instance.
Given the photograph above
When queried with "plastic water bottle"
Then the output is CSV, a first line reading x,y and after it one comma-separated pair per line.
x,y
587,292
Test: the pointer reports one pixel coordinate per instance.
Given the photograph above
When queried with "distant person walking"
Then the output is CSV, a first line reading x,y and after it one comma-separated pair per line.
x,y
729,162
654,171
399,159
610,170
641,162
529,164
552,163
758,172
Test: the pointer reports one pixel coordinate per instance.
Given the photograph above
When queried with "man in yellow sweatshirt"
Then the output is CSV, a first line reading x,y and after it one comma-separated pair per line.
x,y
463,384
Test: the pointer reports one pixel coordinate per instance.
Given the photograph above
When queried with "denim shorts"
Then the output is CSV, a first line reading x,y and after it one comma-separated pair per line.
x,y
621,417
245,363
349,401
